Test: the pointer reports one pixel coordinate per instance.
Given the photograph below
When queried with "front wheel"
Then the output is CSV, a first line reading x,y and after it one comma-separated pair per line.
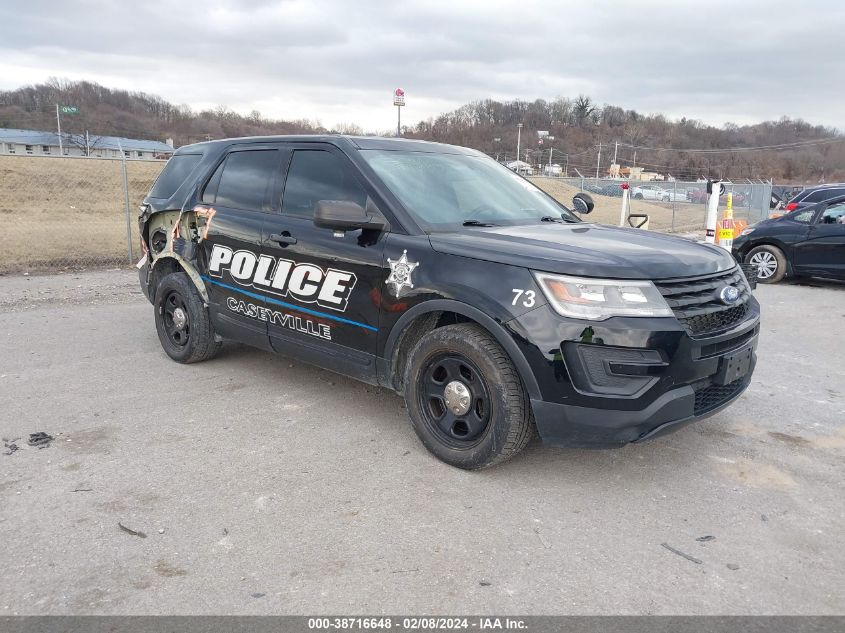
x,y
770,263
465,398
182,322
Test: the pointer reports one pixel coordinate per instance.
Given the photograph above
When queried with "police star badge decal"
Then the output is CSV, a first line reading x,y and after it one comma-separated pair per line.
x,y
400,273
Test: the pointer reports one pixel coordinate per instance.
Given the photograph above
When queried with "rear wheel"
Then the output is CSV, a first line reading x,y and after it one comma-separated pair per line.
x,y
465,398
770,263
182,322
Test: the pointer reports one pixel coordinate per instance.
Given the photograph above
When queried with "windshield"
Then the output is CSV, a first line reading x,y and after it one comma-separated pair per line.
x,y
446,191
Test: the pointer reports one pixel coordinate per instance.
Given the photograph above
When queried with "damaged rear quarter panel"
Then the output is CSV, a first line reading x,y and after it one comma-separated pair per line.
x,y
173,236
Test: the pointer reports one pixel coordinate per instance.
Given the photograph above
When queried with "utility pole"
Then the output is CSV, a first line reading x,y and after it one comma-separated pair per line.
x,y
87,145
518,140
598,162
566,169
59,129
551,151
615,149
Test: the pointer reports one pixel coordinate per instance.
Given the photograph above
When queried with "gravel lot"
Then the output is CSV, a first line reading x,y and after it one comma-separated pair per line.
x,y
266,486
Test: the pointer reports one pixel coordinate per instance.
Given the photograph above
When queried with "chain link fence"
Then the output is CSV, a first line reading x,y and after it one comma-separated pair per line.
x,y
674,206
69,213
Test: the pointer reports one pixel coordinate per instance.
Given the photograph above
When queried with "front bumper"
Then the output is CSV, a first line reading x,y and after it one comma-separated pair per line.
x,y
584,427
666,378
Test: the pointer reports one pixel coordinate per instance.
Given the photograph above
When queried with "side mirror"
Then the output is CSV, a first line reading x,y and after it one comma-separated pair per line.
x,y
582,203
341,215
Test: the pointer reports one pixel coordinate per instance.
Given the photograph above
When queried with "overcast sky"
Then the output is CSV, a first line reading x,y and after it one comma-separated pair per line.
x,y
338,61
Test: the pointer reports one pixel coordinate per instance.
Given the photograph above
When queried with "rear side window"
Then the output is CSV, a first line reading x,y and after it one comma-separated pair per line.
x,y
175,173
823,194
316,175
244,180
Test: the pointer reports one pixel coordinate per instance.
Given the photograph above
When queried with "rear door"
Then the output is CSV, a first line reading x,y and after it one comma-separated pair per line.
x,y
235,200
324,298
823,252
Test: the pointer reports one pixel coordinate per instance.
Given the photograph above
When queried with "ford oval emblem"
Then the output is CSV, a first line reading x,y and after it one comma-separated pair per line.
x,y
729,294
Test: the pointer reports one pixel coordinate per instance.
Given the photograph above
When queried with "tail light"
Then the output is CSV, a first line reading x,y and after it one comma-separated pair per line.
x,y
792,206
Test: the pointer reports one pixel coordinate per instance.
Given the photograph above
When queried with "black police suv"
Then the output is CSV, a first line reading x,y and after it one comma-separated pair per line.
x,y
809,241
436,272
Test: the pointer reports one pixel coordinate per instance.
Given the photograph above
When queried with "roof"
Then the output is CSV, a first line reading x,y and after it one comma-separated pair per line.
x,y
824,185
36,137
356,142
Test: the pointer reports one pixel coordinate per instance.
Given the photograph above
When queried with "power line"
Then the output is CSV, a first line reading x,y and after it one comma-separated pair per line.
x,y
779,146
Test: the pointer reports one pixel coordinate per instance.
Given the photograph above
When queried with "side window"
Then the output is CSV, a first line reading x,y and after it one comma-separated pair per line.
x,y
822,194
209,194
316,175
805,217
834,214
245,180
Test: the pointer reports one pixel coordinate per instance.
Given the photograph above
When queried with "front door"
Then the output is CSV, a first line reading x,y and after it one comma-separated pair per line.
x,y
325,291
823,252
234,203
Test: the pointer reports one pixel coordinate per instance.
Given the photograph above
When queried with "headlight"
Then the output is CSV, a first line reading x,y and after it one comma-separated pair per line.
x,y
747,230
599,299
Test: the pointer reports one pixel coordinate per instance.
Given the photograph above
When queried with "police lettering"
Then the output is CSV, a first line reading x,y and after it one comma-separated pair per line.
x,y
307,283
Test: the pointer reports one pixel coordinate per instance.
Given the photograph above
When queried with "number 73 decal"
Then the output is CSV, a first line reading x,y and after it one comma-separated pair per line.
x,y
527,297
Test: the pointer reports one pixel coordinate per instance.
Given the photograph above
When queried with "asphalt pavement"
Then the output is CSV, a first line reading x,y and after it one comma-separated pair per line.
x,y
253,484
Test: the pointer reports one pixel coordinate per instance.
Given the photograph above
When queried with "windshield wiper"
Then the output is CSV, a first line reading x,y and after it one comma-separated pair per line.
x,y
551,218
477,223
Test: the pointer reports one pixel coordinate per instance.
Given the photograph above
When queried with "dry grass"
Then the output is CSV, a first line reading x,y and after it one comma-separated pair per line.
x,y
60,212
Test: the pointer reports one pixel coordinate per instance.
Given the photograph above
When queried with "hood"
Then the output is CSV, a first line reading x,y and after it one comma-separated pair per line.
x,y
590,250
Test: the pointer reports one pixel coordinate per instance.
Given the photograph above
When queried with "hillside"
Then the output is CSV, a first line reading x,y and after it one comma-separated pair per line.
x,y
792,150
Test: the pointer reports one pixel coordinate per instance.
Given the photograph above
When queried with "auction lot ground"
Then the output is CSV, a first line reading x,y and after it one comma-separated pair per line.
x,y
267,486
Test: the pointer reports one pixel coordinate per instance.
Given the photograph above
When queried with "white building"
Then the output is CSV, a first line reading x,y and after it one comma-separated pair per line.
x,y
36,143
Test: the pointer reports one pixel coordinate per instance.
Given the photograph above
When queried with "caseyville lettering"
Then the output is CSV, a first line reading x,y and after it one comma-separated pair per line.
x,y
296,323
304,282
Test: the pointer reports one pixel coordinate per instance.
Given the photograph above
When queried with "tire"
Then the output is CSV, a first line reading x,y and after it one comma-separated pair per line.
x,y
770,262
498,422
666,199
638,196
182,322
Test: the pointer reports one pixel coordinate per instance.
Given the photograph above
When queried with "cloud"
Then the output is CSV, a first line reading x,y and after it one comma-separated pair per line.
x,y
338,61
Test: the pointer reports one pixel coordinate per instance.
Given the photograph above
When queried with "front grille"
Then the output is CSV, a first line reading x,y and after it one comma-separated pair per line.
x,y
712,396
696,304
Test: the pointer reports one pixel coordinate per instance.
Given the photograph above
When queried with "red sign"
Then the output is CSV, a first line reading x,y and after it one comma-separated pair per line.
x,y
399,97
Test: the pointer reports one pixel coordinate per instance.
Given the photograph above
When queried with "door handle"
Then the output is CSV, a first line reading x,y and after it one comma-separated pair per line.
x,y
283,238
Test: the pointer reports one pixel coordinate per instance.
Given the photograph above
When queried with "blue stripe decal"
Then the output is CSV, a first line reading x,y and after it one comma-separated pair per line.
x,y
290,306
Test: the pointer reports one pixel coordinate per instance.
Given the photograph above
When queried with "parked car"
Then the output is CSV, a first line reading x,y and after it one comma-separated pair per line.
x,y
613,189
809,241
812,195
552,170
432,271
700,196
649,192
